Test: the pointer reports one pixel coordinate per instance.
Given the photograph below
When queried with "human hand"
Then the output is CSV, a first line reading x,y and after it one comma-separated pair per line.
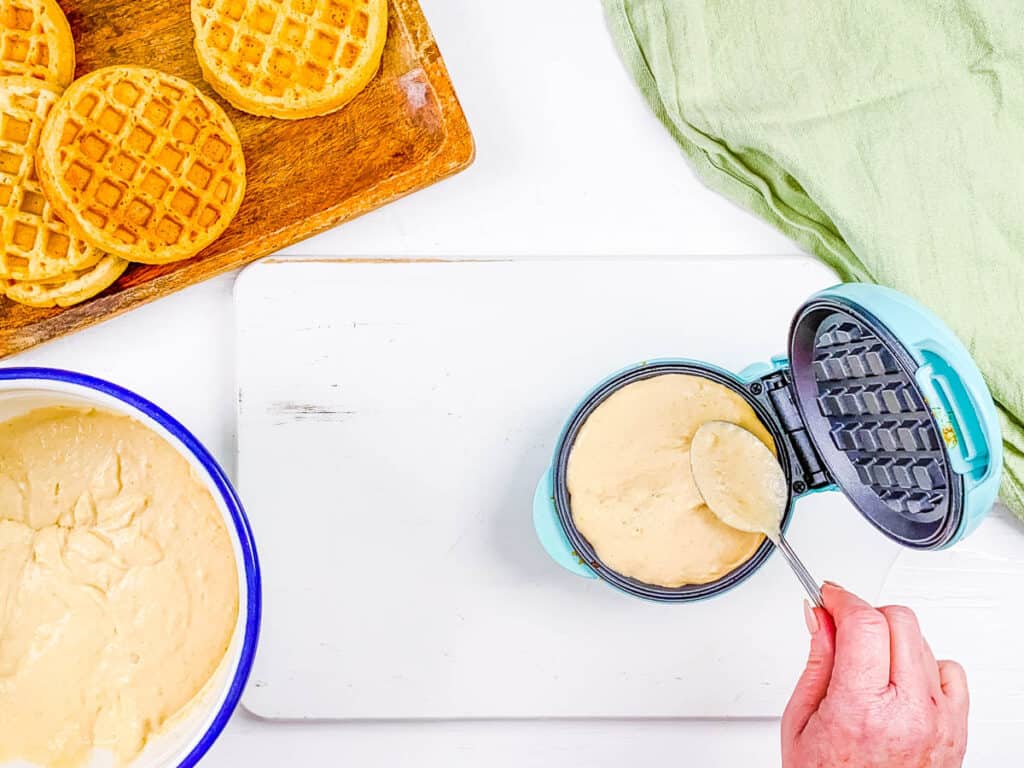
x,y
872,693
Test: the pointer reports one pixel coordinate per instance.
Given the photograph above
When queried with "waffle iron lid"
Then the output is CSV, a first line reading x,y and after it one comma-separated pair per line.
x,y
871,407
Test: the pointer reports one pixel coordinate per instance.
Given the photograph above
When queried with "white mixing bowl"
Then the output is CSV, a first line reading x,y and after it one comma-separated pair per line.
x,y
184,741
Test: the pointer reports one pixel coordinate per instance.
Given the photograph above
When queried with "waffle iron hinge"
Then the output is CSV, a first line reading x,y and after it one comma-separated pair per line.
x,y
777,394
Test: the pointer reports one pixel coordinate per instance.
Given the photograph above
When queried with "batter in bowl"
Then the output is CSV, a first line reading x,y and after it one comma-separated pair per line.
x,y
631,489
118,586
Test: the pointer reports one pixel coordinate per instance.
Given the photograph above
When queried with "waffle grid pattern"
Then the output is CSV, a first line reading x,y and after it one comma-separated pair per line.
x,y
298,51
879,420
68,289
149,167
36,244
33,40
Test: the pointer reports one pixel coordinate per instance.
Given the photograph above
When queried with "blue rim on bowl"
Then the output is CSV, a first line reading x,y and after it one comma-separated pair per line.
x,y
250,561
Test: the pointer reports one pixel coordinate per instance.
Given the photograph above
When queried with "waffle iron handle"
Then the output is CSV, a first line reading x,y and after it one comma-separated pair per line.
x,y
549,530
972,439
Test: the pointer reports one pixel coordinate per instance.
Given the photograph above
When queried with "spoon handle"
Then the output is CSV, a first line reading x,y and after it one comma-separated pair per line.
x,y
801,571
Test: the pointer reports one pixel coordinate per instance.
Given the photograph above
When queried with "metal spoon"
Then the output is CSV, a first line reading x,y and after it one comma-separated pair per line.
x,y
744,486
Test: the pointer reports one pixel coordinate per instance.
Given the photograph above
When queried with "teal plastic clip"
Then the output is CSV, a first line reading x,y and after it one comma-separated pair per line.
x,y
957,413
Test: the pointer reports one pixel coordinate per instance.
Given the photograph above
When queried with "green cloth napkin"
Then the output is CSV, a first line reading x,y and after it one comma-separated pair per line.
x,y
886,138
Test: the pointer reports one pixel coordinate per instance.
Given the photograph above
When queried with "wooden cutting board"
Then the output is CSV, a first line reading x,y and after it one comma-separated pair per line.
x,y
394,419
405,131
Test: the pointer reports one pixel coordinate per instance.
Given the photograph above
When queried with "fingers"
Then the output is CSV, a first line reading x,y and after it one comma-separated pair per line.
x,y
932,671
813,683
954,684
862,655
908,668
954,687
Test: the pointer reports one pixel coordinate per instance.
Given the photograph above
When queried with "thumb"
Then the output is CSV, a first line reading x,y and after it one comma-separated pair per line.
x,y
813,683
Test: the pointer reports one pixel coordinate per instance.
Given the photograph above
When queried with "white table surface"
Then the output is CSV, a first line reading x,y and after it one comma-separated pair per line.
x,y
570,162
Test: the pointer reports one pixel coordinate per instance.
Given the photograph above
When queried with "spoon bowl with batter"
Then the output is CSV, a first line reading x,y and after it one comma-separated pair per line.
x,y
743,484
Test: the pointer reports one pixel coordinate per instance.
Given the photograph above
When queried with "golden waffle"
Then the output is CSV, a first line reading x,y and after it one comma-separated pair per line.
x,y
141,164
35,41
69,289
289,58
34,243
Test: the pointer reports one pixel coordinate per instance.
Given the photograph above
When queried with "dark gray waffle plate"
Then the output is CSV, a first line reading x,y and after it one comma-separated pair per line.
x,y
856,391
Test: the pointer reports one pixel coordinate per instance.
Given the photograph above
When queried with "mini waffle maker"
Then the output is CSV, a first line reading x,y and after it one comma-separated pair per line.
x,y
877,399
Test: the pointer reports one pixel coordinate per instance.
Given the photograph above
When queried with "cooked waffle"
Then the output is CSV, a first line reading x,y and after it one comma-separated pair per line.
x,y
289,58
35,41
141,164
34,243
66,290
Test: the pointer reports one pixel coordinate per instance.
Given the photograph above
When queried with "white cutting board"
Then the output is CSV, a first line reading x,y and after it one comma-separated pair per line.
x,y
394,418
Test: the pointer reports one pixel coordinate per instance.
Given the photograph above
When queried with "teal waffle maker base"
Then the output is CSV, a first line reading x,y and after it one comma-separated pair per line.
x,y
877,399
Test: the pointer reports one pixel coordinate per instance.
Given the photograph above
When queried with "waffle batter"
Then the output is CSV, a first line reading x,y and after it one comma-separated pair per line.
x,y
632,492
118,586
753,500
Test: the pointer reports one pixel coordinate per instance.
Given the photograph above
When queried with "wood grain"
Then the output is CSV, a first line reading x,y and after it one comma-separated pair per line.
x,y
442,466
405,131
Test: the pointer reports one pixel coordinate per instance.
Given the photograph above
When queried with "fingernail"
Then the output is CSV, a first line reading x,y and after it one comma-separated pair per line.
x,y
811,619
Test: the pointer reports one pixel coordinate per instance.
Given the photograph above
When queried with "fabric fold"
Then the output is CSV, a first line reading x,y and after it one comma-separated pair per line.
x,y
885,139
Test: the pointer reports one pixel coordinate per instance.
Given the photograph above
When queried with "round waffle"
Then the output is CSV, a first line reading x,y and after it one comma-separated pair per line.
x,y
141,164
289,58
34,243
35,41
67,290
